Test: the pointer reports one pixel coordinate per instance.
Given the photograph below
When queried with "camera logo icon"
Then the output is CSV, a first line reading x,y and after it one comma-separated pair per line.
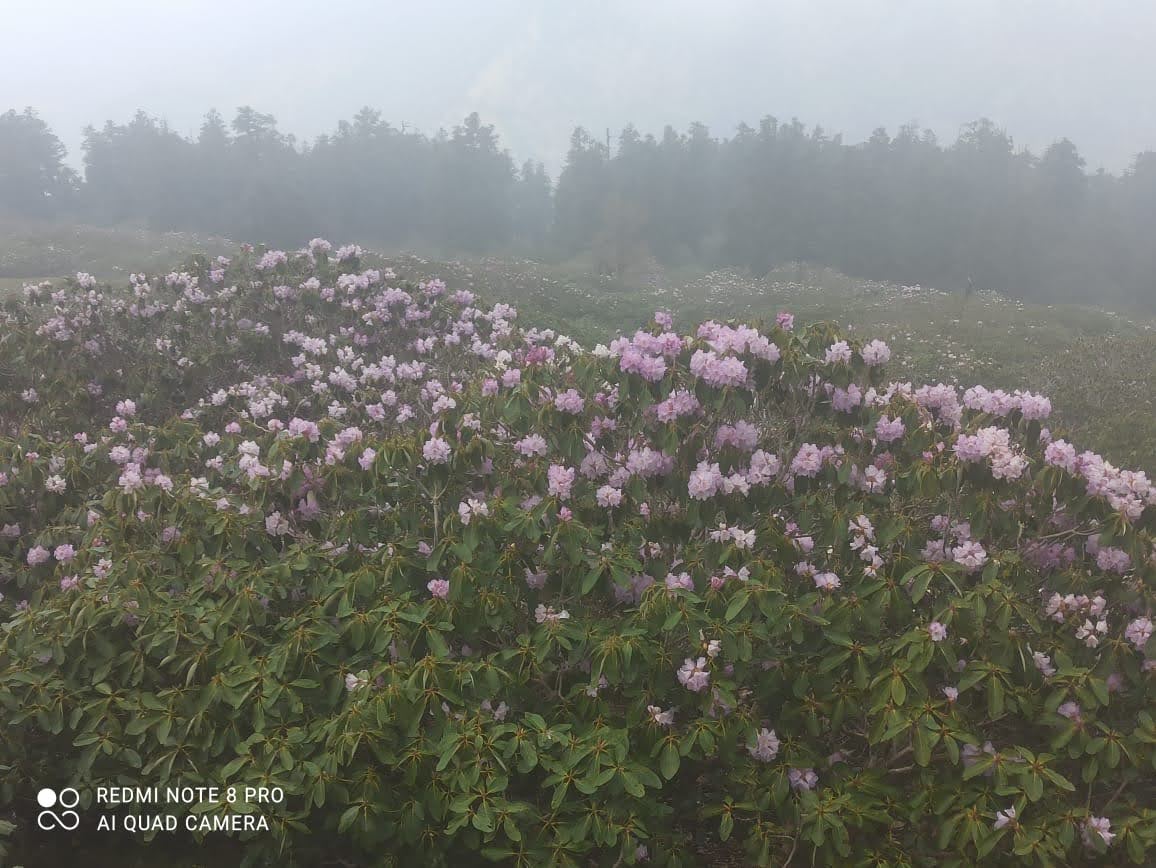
x,y
67,819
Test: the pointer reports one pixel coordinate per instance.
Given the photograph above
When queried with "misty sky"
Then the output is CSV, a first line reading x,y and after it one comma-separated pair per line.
x,y
1044,70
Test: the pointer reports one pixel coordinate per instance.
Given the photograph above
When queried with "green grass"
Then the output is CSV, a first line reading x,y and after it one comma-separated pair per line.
x,y
31,251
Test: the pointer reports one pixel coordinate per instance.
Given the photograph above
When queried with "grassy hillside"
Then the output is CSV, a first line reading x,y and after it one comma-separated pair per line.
x,y
1098,366
32,251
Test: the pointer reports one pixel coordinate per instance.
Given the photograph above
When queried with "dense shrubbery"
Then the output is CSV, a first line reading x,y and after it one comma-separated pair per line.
x,y
460,587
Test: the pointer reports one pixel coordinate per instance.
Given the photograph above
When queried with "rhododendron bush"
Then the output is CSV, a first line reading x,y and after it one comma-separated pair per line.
x,y
461,587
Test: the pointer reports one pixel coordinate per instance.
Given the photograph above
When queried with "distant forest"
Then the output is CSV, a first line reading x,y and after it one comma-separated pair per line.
x,y
906,208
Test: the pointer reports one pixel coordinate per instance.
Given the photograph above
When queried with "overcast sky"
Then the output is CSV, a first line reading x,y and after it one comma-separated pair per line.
x,y
1043,70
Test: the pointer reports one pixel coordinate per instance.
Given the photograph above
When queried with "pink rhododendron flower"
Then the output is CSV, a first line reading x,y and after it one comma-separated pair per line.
x,y
1138,632
532,444
693,674
718,371
560,479
1004,818
354,683
660,717
876,353
808,461
889,430
705,481
838,352
1043,663
765,747
678,581
970,555
472,507
608,496
1097,827
436,451
802,780
1113,560
827,581
570,402
547,615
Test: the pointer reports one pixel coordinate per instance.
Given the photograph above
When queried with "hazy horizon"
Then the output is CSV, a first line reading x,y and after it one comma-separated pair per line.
x,y
1041,71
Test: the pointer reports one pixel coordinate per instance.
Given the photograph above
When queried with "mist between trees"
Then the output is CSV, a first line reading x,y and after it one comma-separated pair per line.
x,y
976,214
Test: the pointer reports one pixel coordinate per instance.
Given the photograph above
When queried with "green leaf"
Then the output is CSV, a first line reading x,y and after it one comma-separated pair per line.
x,y
1059,780
737,604
981,765
1100,689
995,697
483,820
859,672
919,589
590,580
348,817
726,825
898,690
231,768
834,661
921,745
632,785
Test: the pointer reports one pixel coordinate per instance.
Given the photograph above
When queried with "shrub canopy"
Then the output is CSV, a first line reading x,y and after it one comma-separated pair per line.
x,y
461,587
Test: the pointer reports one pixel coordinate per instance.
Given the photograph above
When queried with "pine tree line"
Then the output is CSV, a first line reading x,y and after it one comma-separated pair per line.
x,y
978,212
